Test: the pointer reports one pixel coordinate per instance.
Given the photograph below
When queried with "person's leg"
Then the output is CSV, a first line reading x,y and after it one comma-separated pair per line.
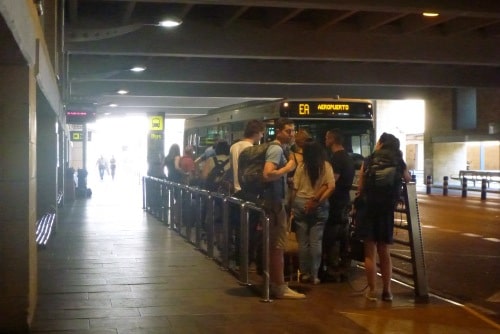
x,y
302,234
303,239
385,267
316,249
277,244
370,267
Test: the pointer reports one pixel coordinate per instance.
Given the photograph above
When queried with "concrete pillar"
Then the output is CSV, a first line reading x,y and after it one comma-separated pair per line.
x,y
18,182
46,158
156,145
438,121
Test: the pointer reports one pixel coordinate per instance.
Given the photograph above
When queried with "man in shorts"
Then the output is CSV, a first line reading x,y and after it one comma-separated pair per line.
x,y
276,168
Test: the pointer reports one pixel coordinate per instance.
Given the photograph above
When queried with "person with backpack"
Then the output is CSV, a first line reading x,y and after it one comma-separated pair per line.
x,y
379,191
274,174
253,133
215,167
313,184
212,177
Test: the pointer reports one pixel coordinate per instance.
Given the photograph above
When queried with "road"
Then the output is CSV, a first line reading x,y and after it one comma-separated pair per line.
x,y
461,239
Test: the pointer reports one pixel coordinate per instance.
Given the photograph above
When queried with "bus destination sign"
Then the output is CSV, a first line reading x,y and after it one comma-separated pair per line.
x,y
326,109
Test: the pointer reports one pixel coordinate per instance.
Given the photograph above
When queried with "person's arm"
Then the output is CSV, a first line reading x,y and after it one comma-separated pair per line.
x,y
324,192
361,179
406,175
234,153
177,163
272,173
273,157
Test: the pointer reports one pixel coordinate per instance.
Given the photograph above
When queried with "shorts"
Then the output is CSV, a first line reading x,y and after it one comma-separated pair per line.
x,y
275,210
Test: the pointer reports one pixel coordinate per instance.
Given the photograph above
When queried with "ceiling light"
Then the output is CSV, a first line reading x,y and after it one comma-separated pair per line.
x,y
170,23
430,14
122,92
112,105
138,69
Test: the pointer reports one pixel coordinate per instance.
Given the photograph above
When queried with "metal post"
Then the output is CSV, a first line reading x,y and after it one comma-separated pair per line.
x,y
429,184
143,179
464,187
483,189
225,233
244,233
266,254
210,225
445,186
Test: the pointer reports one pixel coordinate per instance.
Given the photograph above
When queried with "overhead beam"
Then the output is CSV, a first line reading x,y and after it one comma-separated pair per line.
x,y
200,91
243,41
294,73
449,7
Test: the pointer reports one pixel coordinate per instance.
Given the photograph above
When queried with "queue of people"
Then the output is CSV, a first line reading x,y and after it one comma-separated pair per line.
x,y
312,185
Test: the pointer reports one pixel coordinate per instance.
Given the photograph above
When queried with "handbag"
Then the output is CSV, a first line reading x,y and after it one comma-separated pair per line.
x,y
356,247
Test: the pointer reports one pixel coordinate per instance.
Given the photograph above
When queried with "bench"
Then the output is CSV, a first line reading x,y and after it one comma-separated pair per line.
x,y
491,176
44,228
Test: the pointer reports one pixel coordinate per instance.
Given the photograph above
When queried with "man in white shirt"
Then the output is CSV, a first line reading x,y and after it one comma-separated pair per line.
x,y
254,131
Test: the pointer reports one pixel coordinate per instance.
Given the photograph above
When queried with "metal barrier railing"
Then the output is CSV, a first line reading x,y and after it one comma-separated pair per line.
x,y
204,219
411,242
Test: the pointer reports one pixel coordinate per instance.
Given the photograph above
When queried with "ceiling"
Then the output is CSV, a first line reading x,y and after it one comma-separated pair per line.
x,y
230,51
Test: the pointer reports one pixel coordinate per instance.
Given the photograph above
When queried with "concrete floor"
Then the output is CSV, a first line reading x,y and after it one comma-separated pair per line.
x,y
111,268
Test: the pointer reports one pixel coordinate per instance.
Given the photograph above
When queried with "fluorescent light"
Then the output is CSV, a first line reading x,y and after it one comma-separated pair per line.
x,y
112,105
122,92
138,69
430,14
170,23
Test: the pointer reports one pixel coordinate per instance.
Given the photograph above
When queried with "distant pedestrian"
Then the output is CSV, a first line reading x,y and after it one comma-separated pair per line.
x,y
102,166
112,166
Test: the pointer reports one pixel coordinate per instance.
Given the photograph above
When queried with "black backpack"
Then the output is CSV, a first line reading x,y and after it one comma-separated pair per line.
x,y
218,178
251,168
382,176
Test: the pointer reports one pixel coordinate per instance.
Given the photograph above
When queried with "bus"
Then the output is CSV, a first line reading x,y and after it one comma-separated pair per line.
x,y
353,116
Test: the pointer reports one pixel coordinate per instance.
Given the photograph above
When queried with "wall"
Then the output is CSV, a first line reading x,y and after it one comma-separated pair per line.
x,y
439,130
18,189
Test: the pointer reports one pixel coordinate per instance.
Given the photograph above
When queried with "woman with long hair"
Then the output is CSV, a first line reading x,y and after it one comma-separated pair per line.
x,y
376,222
171,162
313,183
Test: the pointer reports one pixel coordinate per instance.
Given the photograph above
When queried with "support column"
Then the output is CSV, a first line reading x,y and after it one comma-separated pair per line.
x,y
46,159
18,253
156,145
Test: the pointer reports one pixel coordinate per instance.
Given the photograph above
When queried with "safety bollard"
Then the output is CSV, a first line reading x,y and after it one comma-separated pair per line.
x,y
464,187
483,189
429,184
445,186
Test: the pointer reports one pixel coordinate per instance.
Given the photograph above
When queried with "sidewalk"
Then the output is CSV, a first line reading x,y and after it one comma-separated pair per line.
x,y
113,269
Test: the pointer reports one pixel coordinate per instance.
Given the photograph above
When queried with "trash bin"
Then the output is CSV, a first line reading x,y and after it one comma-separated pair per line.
x,y
81,190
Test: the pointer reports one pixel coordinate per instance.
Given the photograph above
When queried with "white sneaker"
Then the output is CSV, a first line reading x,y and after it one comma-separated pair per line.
x,y
284,292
